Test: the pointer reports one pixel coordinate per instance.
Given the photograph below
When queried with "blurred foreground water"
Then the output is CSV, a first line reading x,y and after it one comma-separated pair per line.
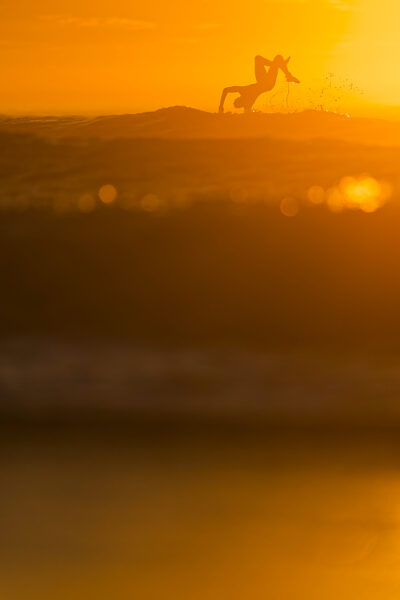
x,y
182,510
43,380
148,472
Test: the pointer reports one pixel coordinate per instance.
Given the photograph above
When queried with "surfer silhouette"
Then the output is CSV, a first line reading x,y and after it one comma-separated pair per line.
x,y
266,80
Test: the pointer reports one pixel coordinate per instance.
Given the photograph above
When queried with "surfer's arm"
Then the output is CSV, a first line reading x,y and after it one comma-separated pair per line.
x,y
228,90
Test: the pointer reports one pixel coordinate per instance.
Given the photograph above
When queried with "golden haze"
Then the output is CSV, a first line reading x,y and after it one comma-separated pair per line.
x,y
85,57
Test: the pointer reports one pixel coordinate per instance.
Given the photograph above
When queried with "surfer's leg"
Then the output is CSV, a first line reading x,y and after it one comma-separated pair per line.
x,y
259,68
282,64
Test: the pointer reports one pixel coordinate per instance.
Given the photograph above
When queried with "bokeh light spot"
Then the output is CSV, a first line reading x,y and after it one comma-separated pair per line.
x,y
108,194
289,206
239,195
87,203
150,203
358,193
335,200
364,193
316,194
181,199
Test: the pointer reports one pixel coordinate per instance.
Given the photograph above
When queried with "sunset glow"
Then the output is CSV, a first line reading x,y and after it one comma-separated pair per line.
x,y
358,193
199,351
93,58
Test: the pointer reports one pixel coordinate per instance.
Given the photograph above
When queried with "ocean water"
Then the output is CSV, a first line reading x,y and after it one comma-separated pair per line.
x,y
198,394
177,510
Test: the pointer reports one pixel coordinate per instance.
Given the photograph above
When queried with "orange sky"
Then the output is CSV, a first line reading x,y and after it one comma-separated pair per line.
x,y
86,57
